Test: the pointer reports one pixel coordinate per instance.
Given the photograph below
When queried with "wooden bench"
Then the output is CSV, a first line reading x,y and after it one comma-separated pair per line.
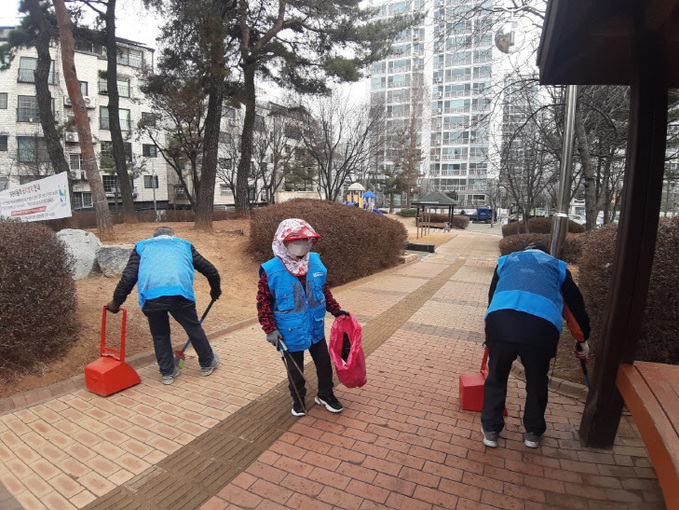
x,y
651,392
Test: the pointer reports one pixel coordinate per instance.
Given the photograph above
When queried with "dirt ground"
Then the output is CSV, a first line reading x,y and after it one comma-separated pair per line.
x,y
225,247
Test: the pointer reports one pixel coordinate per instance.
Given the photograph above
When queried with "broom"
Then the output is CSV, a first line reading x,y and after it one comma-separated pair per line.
x,y
179,356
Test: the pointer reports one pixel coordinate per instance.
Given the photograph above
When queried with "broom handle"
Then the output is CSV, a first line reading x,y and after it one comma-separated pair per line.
x,y
484,362
188,341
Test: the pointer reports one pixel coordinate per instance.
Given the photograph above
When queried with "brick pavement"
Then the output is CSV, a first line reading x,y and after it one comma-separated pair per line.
x,y
229,441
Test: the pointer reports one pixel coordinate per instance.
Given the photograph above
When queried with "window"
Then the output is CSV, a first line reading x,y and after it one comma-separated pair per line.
x,y
110,183
107,153
259,123
123,87
84,88
150,151
224,190
151,181
81,200
3,100
3,143
224,163
130,57
31,149
225,138
123,116
27,67
4,183
76,162
27,110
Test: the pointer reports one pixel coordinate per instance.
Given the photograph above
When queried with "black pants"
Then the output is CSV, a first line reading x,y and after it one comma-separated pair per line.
x,y
321,356
536,364
184,312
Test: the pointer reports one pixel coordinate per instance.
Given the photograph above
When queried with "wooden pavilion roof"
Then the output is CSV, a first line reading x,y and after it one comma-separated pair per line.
x,y
591,41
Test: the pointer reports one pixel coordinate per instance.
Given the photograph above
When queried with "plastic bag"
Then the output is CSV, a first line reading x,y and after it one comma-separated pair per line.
x,y
351,372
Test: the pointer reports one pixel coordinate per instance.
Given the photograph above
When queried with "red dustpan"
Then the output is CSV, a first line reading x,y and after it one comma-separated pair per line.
x,y
110,374
471,387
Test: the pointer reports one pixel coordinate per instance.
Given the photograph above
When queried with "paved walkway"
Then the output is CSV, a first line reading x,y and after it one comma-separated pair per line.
x,y
229,440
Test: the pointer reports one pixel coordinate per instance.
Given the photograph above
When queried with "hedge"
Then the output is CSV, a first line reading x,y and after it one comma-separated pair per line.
x,y
570,252
659,338
37,296
538,226
354,243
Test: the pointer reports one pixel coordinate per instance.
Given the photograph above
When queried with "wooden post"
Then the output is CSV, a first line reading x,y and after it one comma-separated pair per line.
x,y
636,242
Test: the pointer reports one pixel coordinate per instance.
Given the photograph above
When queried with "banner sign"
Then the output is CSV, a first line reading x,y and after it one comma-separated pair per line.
x,y
44,199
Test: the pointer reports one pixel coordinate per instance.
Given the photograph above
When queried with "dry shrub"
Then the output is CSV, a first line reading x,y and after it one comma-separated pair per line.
x,y
459,221
354,243
659,340
570,251
407,213
37,295
538,226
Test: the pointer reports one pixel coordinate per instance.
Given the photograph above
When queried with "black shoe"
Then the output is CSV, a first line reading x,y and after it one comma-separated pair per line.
x,y
330,402
298,409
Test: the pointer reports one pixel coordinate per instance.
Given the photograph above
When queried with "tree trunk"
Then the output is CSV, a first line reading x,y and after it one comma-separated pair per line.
x,y
587,171
44,97
246,140
129,212
205,195
103,214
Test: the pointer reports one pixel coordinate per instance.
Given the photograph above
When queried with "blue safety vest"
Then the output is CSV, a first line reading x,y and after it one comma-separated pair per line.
x,y
165,268
299,313
530,281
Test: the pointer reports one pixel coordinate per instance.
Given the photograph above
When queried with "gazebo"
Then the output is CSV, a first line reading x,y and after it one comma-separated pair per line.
x,y
620,42
435,201
355,195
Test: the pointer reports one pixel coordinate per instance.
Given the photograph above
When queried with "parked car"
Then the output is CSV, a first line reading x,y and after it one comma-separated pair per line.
x,y
580,220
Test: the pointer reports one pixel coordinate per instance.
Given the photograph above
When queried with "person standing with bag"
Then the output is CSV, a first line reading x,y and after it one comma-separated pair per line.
x,y
529,295
292,299
163,270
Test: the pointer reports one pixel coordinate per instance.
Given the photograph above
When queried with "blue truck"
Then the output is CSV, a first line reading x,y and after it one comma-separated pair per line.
x,y
482,213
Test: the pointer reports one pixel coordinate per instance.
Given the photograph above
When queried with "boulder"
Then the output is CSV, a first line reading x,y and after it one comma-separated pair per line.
x,y
82,246
112,259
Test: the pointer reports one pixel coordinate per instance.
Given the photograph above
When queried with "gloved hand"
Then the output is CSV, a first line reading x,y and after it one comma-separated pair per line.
x,y
215,293
581,350
274,337
343,312
113,307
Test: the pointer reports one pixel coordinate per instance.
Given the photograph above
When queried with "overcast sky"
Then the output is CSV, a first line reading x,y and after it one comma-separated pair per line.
x,y
133,22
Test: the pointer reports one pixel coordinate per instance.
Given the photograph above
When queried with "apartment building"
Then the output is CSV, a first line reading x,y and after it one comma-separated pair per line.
x,y
440,72
23,155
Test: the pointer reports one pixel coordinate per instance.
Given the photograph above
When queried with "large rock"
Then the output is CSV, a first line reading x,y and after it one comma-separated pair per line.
x,y
113,259
82,245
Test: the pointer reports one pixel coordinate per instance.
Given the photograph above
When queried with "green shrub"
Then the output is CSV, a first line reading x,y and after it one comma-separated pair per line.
x,y
354,243
570,252
408,213
37,295
538,226
659,340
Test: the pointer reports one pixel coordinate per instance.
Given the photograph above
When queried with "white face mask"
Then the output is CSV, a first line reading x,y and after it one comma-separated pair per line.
x,y
299,248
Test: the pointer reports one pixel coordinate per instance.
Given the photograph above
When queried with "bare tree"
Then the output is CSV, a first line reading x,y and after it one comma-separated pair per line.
x,y
337,134
103,214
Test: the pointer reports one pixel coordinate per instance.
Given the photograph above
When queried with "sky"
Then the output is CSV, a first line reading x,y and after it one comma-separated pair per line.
x,y
134,22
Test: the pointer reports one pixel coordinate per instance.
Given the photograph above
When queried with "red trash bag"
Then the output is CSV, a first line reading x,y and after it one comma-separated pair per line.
x,y
347,332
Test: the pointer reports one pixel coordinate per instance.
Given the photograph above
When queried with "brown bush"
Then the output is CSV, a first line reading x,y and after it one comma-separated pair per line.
x,y
37,295
659,340
538,226
570,251
88,219
459,221
354,243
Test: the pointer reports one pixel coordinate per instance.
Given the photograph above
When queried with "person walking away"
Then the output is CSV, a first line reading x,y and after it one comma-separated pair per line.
x,y
292,299
530,293
163,270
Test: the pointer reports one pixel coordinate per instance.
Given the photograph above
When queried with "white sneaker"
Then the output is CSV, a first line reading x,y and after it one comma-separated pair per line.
x,y
169,379
205,371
